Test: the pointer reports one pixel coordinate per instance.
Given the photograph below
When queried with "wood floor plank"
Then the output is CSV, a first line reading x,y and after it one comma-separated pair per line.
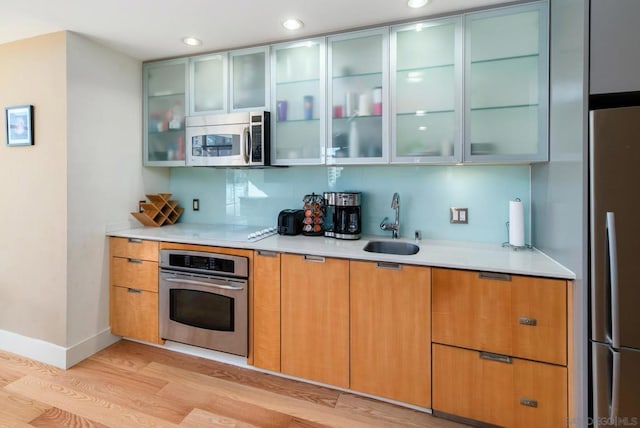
x,y
199,418
242,393
55,417
299,423
26,366
248,413
394,414
19,408
134,356
83,405
134,382
8,375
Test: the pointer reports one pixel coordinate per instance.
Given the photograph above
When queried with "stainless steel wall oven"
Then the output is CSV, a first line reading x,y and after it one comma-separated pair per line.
x,y
204,300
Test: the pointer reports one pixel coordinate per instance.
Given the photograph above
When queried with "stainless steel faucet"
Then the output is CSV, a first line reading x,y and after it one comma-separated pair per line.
x,y
394,227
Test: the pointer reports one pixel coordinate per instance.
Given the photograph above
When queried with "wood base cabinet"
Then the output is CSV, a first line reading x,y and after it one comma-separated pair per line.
x,y
133,278
390,331
497,389
266,310
315,318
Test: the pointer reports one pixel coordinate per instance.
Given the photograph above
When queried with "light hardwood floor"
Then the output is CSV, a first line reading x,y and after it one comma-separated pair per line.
x,y
133,385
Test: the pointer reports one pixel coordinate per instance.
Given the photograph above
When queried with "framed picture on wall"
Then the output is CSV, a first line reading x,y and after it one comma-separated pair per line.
x,y
19,120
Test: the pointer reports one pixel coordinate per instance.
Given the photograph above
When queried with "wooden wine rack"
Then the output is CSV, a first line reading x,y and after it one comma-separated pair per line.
x,y
159,211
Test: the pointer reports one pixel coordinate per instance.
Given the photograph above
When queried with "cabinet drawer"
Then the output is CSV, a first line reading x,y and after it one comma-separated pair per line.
x,y
498,390
506,314
134,314
134,273
134,248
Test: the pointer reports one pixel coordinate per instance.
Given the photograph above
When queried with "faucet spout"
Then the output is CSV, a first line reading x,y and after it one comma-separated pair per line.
x,y
395,226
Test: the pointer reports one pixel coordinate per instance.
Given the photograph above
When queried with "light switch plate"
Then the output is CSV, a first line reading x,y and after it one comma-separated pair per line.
x,y
459,215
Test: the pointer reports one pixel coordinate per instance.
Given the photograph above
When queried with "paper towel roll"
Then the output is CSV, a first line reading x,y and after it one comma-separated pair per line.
x,y
516,223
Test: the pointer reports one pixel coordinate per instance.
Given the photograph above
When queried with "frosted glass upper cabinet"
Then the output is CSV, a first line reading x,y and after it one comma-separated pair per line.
x,y
426,94
358,91
507,85
165,86
249,73
208,83
298,105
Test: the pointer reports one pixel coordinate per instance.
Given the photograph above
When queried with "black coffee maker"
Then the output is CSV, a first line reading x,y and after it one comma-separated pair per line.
x,y
343,210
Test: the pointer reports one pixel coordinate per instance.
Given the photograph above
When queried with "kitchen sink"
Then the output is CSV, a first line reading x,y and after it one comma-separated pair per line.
x,y
391,247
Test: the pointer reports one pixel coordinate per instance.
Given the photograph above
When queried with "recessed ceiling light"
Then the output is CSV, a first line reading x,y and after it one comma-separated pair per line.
x,y
191,41
292,24
417,3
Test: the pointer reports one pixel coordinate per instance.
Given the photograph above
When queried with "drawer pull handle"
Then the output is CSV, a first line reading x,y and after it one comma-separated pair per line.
x,y
136,261
135,241
494,275
528,321
265,253
316,259
134,290
388,265
495,357
529,403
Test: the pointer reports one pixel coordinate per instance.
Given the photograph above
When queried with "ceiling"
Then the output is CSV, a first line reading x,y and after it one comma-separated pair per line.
x,y
153,29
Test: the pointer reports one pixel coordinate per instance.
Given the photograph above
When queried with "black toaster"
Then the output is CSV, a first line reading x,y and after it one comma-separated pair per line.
x,y
290,222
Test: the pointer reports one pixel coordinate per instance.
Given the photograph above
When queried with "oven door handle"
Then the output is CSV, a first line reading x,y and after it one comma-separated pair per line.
x,y
206,284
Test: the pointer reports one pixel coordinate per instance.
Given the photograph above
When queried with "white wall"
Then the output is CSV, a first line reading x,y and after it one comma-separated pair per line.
x,y
33,200
559,218
105,175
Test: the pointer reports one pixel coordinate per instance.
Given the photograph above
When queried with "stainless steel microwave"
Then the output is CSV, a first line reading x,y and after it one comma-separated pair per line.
x,y
233,139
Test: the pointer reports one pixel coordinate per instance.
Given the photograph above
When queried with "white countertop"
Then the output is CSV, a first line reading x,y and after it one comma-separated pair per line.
x,y
449,254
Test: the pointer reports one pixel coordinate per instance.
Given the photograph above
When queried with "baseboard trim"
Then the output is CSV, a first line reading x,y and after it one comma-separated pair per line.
x,y
52,354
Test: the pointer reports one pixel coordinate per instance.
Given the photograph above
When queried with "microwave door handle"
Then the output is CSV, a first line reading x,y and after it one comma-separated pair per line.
x,y
202,283
247,145
612,254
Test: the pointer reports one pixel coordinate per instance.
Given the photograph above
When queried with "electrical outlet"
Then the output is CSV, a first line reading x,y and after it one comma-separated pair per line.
x,y
459,215
196,204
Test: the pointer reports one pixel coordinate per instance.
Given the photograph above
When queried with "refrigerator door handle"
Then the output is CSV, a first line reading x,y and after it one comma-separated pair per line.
x,y
615,387
612,261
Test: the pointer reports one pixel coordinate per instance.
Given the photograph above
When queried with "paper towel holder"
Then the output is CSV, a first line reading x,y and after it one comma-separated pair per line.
x,y
515,247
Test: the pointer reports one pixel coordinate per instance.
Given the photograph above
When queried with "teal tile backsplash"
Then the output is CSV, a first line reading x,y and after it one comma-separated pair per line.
x,y
256,196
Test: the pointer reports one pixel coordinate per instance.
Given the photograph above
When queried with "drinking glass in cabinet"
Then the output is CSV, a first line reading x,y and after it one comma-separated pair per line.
x,y
427,98
357,82
299,99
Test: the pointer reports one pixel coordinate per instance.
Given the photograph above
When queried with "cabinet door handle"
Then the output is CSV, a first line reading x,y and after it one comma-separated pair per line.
x,y
316,259
136,261
528,402
266,253
134,290
495,357
528,321
388,265
135,241
494,275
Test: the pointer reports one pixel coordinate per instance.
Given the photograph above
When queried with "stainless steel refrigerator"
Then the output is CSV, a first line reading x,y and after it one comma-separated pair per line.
x,y
615,265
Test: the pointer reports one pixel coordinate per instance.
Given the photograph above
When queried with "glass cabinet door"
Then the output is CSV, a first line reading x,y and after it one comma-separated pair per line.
x,y
165,99
249,79
358,91
208,84
298,105
426,79
507,85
